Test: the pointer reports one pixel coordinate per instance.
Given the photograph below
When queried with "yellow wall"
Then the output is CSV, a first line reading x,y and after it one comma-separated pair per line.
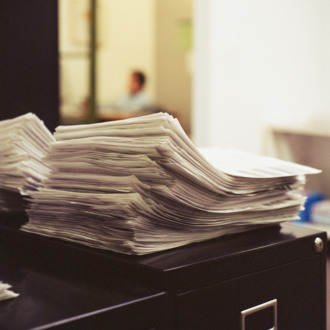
x,y
173,67
127,43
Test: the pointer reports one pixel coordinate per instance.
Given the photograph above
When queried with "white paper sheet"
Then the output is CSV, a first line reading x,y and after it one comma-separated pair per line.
x,y
5,293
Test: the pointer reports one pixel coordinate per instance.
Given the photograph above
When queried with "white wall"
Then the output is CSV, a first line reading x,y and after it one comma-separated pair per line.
x,y
258,62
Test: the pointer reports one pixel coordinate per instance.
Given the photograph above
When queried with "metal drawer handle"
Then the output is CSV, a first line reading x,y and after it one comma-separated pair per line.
x,y
255,309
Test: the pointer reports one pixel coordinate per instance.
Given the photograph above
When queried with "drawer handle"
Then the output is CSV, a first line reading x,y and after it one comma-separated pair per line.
x,y
255,309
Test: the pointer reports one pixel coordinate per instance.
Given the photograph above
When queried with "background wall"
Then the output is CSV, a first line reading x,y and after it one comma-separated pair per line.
x,y
127,42
258,63
74,54
173,60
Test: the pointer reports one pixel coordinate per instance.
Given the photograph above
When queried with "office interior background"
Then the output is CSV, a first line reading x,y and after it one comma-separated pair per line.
x,y
230,70
252,75
148,35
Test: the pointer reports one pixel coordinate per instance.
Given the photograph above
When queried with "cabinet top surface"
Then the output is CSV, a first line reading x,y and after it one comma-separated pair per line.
x,y
227,247
174,270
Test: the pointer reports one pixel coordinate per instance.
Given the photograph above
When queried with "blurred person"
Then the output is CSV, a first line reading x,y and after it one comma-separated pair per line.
x,y
135,99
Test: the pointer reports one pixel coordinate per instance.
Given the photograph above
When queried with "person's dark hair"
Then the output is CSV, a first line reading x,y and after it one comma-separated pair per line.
x,y
141,77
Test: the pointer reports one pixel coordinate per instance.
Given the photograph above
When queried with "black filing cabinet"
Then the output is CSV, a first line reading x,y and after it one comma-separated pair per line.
x,y
267,278
288,296
263,279
59,290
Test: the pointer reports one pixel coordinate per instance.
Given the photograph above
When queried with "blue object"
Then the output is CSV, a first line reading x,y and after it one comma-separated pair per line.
x,y
312,198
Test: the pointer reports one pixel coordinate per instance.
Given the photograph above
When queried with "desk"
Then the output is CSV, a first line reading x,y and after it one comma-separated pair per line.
x,y
307,146
304,146
111,114
200,286
119,115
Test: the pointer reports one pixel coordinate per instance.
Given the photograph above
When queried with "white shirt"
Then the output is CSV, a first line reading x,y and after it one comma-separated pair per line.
x,y
134,102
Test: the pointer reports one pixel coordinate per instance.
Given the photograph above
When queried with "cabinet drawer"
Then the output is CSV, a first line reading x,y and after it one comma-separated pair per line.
x,y
298,288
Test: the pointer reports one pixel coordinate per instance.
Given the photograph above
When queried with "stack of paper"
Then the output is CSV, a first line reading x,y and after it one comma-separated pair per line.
x,y
23,144
139,186
5,293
